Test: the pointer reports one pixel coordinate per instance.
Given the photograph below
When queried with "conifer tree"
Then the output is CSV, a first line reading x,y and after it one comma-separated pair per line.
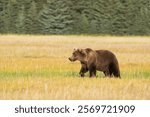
x,y
116,17
55,18
5,16
2,17
80,12
20,25
32,19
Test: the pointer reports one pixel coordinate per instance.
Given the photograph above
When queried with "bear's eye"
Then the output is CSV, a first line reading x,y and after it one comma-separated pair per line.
x,y
74,54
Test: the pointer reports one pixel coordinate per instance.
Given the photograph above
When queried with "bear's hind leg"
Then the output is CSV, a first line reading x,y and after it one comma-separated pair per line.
x,y
116,71
117,74
107,73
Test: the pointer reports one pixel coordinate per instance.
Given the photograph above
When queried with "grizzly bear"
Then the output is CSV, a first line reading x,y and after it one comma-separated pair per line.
x,y
92,60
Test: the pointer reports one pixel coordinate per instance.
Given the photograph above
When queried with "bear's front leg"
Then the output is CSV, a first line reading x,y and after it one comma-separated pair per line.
x,y
92,74
83,69
92,70
81,74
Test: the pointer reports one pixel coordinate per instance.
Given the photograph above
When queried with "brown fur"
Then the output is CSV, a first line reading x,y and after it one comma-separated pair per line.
x,y
92,60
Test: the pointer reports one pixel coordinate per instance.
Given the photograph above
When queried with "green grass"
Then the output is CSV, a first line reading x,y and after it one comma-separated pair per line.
x,y
70,74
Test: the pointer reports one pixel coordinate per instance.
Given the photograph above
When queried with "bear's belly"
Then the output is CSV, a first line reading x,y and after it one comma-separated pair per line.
x,y
101,67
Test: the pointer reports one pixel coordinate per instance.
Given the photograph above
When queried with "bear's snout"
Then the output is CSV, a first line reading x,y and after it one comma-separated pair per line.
x,y
69,58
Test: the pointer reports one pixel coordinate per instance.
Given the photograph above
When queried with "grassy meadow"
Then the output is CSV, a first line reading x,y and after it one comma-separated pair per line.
x,y
37,67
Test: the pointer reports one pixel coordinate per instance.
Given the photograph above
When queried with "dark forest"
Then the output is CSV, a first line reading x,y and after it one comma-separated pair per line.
x,y
103,17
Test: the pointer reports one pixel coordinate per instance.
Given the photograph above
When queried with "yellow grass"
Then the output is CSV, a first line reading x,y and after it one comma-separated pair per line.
x,y
37,67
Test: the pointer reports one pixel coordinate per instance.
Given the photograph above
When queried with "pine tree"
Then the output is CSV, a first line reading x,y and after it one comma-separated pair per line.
x,y
12,11
2,10
83,24
20,25
119,19
139,17
80,12
55,18
31,21
116,17
4,16
39,4
101,15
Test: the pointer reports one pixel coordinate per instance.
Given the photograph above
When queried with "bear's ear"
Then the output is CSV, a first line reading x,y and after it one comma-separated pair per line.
x,y
82,51
79,50
75,49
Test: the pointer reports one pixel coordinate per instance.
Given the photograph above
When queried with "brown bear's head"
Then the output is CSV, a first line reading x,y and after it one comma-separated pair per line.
x,y
78,54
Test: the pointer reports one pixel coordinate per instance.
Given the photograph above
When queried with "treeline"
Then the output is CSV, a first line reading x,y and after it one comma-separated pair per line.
x,y
114,17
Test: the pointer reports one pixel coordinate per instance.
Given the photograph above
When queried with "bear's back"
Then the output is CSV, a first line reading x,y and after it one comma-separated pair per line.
x,y
105,55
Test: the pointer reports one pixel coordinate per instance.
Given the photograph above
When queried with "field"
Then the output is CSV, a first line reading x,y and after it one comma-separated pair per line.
x,y
37,67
